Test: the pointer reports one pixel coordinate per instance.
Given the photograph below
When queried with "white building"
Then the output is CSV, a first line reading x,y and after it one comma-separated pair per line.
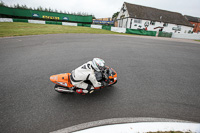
x,y
140,17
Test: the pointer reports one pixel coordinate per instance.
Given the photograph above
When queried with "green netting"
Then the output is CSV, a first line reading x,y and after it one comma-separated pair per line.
x,y
85,25
164,34
53,22
20,20
141,32
106,27
44,15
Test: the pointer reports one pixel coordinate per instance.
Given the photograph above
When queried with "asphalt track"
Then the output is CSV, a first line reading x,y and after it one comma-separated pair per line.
x,y
157,78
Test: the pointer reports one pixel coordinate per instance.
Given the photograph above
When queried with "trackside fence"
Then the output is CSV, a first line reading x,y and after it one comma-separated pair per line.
x,y
164,34
105,27
141,32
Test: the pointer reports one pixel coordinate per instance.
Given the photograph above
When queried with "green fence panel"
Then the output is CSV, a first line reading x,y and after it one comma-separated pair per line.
x,y
87,25
80,24
44,15
84,25
20,20
106,27
53,22
141,32
164,34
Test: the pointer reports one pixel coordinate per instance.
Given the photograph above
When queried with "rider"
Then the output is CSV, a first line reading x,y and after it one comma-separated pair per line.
x,y
87,72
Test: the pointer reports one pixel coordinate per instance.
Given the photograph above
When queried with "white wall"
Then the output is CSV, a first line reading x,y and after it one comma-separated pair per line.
x,y
96,26
168,28
122,23
36,21
186,36
6,20
117,29
69,24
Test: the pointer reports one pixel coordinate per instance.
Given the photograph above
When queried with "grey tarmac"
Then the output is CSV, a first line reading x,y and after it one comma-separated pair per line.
x,y
157,78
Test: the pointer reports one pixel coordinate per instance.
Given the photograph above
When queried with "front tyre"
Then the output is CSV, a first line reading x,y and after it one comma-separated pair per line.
x,y
113,83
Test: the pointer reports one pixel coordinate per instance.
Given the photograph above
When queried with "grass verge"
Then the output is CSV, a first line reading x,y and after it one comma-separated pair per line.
x,y
197,40
23,29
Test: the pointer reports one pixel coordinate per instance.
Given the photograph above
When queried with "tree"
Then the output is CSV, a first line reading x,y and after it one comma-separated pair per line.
x,y
46,10
114,17
93,17
2,3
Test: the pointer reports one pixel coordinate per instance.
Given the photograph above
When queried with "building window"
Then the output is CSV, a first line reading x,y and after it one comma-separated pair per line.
x,y
165,24
152,23
139,21
179,27
122,16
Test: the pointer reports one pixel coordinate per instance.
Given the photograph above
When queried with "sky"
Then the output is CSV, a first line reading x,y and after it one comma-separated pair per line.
x,y
106,8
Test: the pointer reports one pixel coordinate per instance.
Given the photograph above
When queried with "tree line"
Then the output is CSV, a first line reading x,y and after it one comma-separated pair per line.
x,y
40,8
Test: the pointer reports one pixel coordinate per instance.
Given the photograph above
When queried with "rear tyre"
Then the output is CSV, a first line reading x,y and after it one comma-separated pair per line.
x,y
62,89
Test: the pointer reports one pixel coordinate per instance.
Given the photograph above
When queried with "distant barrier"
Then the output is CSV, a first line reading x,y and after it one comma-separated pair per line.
x,y
141,32
20,20
84,25
114,29
164,34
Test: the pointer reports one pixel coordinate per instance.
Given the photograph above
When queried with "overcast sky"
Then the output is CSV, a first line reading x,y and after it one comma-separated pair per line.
x,y
106,8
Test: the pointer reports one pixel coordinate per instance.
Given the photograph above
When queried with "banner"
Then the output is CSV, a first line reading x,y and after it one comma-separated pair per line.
x,y
141,32
26,13
103,22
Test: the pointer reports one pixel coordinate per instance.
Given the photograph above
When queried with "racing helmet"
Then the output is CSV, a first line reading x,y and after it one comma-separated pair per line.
x,y
98,64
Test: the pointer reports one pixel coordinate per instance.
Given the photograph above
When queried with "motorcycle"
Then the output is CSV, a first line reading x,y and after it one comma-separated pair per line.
x,y
63,82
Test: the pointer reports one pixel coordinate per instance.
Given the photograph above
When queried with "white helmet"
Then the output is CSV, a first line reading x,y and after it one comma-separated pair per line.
x,y
98,64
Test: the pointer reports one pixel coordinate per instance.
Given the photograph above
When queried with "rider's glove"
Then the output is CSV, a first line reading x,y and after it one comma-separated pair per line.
x,y
103,83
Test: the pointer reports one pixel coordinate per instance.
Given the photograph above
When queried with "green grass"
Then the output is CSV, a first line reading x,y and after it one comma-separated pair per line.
x,y
197,40
23,29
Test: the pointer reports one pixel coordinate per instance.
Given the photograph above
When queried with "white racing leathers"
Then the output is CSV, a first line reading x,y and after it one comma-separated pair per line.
x,y
83,73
